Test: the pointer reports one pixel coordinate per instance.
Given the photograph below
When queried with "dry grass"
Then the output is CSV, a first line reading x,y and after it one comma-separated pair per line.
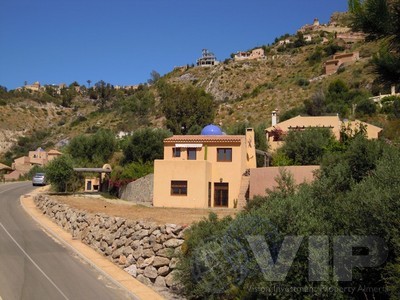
x,y
125,209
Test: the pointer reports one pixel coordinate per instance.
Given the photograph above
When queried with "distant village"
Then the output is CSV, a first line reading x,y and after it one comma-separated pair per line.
x,y
311,33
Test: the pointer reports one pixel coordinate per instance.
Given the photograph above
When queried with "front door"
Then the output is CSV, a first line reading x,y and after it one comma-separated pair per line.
x,y
221,194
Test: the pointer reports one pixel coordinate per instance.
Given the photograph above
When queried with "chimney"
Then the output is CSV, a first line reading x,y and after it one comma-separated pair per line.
x,y
274,117
393,90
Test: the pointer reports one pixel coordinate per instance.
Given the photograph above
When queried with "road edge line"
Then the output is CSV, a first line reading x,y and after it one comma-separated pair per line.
x,y
137,289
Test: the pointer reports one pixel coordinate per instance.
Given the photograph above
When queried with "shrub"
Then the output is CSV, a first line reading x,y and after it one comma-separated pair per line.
x,y
60,173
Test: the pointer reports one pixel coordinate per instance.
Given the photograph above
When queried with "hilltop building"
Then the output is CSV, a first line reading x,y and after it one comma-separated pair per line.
x,y
207,59
257,53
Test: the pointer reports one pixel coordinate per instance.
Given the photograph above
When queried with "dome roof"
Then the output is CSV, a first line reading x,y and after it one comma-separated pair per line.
x,y
211,130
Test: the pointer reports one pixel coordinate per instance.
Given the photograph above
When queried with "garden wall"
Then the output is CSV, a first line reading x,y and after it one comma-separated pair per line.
x,y
145,250
139,191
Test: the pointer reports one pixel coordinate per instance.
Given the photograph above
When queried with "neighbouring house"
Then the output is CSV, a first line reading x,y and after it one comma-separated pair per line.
x,y
276,132
307,38
33,87
257,53
262,179
4,170
206,170
332,65
284,42
207,59
23,164
52,154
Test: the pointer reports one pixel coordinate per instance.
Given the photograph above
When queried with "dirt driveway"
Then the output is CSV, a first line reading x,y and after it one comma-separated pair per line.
x,y
120,208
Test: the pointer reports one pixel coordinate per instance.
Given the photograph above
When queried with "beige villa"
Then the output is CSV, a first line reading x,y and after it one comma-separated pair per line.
x,y
257,53
302,122
23,164
202,171
332,65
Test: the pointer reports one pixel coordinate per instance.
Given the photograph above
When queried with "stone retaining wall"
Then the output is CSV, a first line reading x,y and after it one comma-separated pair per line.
x,y
145,250
139,191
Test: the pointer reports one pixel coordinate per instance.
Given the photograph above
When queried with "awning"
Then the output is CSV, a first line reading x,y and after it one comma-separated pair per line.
x,y
188,145
92,170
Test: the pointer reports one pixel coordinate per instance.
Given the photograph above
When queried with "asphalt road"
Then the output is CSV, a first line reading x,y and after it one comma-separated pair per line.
x,y
35,266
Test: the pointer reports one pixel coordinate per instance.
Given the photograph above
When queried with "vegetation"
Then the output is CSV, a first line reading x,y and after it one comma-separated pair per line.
x,y
144,145
307,147
381,19
60,173
345,199
185,109
92,150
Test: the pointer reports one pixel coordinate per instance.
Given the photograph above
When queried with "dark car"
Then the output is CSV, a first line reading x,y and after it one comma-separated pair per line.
x,y
39,179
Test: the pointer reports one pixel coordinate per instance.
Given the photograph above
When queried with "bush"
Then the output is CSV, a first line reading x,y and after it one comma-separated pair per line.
x,y
365,107
355,193
307,147
60,173
303,82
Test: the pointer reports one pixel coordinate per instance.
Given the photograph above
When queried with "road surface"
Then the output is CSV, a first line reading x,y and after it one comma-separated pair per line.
x,y
35,266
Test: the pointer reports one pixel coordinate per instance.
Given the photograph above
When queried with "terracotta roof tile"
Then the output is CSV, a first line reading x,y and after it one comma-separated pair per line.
x,y
204,138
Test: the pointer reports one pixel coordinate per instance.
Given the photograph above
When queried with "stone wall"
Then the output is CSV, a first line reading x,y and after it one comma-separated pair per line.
x,y
139,191
145,250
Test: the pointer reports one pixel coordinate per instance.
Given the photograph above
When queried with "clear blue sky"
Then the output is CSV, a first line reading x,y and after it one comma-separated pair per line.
x,y
122,41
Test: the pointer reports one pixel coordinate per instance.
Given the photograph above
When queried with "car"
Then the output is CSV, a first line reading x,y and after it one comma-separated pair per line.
x,y
39,179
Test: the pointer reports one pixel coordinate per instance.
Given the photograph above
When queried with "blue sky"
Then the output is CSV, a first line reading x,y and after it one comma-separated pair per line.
x,y
122,41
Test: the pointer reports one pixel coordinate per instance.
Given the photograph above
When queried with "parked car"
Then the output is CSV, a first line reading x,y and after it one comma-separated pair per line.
x,y
39,179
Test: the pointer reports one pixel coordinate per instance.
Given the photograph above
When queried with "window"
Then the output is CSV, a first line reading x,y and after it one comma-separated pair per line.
x,y
224,154
178,187
191,153
176,152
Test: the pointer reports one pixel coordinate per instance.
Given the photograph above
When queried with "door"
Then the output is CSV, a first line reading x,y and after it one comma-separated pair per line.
x,y
221,194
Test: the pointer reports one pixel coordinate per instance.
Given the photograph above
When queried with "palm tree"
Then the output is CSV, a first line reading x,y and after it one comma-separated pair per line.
x,y
89,81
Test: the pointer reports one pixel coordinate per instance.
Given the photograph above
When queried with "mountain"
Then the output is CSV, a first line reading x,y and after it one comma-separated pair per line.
x,y
291,72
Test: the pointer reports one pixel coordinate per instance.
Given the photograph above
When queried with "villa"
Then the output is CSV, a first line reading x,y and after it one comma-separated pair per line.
x,y
276,132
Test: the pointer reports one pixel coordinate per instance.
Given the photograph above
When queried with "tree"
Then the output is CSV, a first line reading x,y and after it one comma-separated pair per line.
x,y
365,107
154,77
60,173
88,82
381,19
145,145
94,150
316,106
105,92
372,16
185,107
387,64
141,103
307,147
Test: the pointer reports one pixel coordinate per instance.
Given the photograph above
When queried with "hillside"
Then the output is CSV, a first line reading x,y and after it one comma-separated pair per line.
x,y
244,91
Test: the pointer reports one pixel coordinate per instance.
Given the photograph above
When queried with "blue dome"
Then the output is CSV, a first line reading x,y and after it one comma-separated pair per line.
x,y
211,130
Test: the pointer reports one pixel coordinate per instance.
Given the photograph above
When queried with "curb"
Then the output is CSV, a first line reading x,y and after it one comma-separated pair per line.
x,y
137,289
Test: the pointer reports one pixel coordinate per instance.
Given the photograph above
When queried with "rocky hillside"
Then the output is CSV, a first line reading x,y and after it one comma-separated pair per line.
x,y
244,91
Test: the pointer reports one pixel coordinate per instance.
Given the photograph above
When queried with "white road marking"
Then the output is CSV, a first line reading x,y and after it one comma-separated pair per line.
x,y
33,262
7,191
